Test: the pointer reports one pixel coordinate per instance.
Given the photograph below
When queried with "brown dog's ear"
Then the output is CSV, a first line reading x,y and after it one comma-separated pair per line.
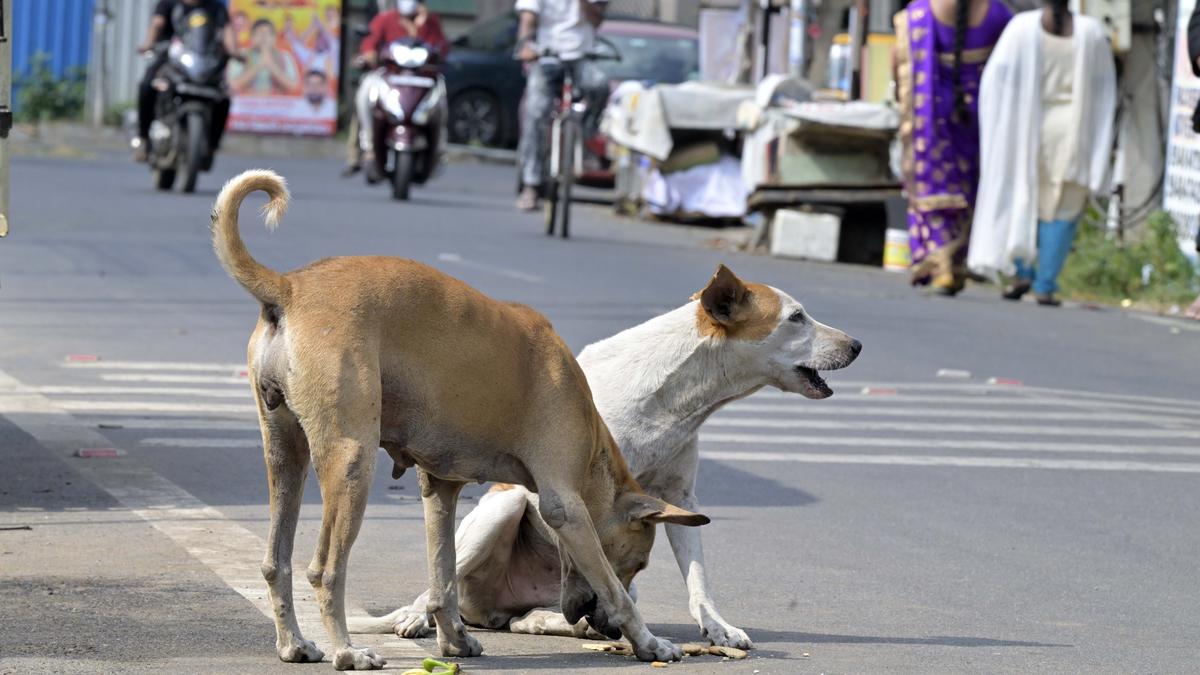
x,y
722,296
653,510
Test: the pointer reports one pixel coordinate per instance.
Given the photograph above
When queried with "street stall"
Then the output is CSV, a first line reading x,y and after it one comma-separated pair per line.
x,y
676,149
820,174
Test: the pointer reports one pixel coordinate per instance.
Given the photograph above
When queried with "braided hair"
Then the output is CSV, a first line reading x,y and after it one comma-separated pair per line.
x,y
1059,13
962,11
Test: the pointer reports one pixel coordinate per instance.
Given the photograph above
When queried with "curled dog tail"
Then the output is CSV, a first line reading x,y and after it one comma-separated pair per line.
x,y
269,286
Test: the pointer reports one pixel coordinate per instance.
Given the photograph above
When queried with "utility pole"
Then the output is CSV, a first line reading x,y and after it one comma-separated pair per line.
x,y
798,39
5,107
99,78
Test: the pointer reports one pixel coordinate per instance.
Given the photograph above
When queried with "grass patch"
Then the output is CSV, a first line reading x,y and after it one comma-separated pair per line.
x,y
1152,271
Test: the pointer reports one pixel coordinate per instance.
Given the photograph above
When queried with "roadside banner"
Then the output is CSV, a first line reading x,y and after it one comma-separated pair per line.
x,y
288,82
1181,190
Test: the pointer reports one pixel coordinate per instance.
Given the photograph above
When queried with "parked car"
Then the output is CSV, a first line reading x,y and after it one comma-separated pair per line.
x,y
485,84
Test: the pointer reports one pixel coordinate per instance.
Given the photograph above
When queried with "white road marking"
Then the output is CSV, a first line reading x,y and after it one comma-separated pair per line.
x,y
986,398
964,462
202,442
484,267
233,368
190,423
947,444
924,427
173,379
1101,396
803,409
229,550
149,407
241,392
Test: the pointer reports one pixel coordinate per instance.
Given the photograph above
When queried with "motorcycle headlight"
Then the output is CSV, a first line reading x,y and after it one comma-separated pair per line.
x,y
426,107
408,57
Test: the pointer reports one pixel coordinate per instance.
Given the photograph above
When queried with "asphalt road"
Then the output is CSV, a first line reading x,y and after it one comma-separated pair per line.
x,y
912,523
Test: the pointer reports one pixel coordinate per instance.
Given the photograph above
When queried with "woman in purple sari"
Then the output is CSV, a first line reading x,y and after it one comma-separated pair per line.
x,y
941,48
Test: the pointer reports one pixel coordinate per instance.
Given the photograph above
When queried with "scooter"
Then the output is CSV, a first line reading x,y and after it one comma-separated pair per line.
x,y
410,112
191,87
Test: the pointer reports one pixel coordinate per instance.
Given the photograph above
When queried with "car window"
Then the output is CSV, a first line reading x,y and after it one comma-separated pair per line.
x,y
496,35
668,60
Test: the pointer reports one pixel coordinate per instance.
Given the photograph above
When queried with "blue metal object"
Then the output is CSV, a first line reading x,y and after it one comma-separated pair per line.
x,y
61,29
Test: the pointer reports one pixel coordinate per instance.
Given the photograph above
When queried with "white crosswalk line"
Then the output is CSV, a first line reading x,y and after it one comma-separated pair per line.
x,y
941,428
173,379
963,462
1018,416
182,423
202,442
85,406
984,398
946,444
50,390
232,368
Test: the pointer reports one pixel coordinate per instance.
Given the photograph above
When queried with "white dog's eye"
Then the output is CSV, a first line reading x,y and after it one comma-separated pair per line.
x,y
797,316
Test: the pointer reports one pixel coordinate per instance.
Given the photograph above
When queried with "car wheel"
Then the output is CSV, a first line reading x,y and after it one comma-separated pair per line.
x,y
475,119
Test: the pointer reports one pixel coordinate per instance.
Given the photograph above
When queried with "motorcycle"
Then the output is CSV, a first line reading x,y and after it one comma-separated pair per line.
x,y
191,86
410,112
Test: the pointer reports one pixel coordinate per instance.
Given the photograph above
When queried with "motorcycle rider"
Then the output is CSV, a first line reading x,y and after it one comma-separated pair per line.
x,y
168,20
411,18
567,28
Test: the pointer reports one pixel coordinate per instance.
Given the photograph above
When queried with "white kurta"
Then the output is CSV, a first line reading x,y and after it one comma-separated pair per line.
x,y
1010,122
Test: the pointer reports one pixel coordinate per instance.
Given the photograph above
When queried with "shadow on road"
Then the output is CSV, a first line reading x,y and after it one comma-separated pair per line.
x,y
723,484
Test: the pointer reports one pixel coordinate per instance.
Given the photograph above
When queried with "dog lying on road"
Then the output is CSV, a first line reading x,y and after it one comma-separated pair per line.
x,y
357,353
654,384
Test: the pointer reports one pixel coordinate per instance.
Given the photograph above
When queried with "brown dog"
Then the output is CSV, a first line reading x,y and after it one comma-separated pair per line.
x,y
352,354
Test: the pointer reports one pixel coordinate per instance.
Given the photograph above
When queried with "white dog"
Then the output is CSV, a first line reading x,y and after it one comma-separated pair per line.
x,y
654,384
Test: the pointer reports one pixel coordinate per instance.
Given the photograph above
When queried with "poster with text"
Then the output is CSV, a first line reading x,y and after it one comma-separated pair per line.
x,y
287,82
1181,190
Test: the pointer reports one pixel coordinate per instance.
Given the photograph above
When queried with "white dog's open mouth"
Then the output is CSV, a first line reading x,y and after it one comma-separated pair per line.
x,y
814,384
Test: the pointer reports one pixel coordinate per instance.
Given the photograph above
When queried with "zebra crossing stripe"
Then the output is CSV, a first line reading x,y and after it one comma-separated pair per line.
x,y
51,390
922,427
946,444
73,405
188,423
157,365
173,379
961,462
1018,416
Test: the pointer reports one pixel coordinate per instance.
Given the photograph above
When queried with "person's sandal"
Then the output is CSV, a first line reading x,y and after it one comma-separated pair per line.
x,y
1016,291
528,199
1048,300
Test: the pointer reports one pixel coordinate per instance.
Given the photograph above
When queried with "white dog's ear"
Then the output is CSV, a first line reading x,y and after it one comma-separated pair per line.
x,y
722,296
654,510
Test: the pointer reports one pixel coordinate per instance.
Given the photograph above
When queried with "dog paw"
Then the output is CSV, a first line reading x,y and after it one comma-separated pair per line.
x,y
724,635
299,650
658,649
413,625
464,646
355,658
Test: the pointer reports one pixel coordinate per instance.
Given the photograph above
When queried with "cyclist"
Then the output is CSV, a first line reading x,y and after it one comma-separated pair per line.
x,y
566,29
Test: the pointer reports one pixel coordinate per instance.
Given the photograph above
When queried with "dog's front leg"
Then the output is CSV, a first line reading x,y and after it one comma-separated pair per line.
x,y
440,499
565,512
689,553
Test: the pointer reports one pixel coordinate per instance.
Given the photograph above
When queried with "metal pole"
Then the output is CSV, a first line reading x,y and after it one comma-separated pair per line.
x,y
5,107
797,37
100,74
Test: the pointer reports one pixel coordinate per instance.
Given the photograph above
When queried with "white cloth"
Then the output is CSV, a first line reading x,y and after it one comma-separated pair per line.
x,y
561,26
713,190
1010,117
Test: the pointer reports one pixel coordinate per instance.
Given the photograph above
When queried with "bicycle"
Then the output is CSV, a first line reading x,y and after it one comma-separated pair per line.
x,y
566,140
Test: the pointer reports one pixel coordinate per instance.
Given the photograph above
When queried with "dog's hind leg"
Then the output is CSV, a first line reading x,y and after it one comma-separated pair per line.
x,y
552,622
440,499
343,434
286,453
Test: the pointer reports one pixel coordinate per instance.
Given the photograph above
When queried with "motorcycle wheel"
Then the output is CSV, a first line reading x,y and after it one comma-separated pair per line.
x,y
164,179
550,209
402,176
193,160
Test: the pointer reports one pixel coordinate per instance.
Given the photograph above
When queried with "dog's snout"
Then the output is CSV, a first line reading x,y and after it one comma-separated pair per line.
x,y
855,346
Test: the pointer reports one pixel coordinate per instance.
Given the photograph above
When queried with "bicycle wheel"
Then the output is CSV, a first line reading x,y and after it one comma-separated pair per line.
x,y
550,184
566,173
